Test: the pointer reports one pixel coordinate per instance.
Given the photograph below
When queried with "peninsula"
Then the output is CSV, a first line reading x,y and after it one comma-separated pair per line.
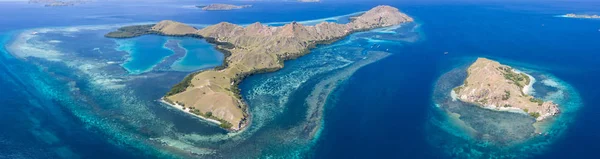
x,y
256,48
216,7
585,16
492,85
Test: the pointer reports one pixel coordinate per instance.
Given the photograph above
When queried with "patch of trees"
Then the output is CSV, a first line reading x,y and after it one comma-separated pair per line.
x,y
131,31
183,85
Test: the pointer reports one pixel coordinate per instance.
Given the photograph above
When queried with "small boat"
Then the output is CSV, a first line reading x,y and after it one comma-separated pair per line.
x,y
446,53
34,33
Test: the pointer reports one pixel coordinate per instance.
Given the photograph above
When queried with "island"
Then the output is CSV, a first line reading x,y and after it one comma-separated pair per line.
x,y
309,0
58,3
214,94
492,85
585,16
216,7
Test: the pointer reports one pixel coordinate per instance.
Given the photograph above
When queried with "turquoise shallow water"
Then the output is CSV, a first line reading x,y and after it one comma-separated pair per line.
x,y
67,89
483,133
144,52
198,55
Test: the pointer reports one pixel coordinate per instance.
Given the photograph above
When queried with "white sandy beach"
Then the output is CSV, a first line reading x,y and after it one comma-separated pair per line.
x,y
179,107
528,89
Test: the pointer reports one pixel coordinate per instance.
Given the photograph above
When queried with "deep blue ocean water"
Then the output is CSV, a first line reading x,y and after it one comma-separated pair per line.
x,y
53,109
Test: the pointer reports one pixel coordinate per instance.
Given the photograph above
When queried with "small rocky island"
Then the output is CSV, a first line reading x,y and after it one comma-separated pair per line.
x,y
58,3
218,6
585,16
214,94
309,1
492,85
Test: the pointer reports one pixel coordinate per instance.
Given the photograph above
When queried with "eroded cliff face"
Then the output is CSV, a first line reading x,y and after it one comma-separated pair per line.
x,y
495,86
260,48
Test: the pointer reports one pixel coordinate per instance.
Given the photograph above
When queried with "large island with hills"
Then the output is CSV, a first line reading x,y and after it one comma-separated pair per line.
x,y
257,48
492,85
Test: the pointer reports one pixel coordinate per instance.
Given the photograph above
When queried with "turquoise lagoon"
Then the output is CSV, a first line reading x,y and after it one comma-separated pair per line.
x,y
199,55
146,52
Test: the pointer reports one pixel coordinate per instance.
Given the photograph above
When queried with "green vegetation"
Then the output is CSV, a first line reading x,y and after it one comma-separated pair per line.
x,y
222,47
507,105
527,79
183,85
169,101
195,111
209,115
537,100
526,110
535,115
506,95
457,89
225,124
519,79
131,31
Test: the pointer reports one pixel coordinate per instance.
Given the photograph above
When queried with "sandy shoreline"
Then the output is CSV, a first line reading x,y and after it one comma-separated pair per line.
x,y
528,89
179,107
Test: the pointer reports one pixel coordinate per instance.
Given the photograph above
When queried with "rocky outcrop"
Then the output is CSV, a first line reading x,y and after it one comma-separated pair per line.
x,y
495,86
254,49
